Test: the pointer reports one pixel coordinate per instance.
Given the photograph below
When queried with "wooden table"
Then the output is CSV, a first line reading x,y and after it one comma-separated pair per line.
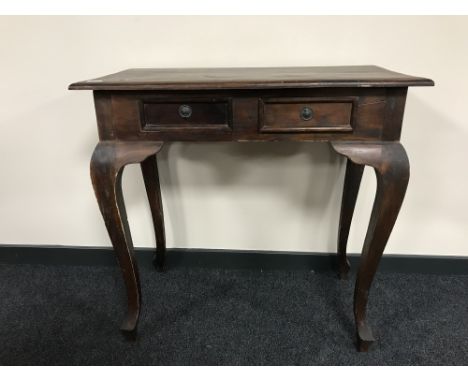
x,y
358,109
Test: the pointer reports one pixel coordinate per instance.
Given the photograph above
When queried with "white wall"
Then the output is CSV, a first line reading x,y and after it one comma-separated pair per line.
x,y
277,196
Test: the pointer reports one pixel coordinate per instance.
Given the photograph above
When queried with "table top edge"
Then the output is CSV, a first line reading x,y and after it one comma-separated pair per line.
x,y
250,78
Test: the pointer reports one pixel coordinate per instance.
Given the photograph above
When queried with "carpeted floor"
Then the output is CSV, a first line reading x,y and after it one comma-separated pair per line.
x,y
69,315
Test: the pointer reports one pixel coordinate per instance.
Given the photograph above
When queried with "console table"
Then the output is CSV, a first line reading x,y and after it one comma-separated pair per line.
x,y
358,109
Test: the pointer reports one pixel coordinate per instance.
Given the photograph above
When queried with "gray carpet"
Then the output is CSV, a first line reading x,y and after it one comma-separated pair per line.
x,y
69,315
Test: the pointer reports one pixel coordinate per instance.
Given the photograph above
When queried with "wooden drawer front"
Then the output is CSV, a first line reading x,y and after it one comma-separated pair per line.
x,y
293,116
186,115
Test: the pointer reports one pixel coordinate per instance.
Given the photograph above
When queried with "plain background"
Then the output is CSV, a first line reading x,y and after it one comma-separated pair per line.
x,y
272,196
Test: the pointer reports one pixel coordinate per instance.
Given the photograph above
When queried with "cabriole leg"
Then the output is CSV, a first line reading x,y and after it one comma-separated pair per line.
x,y
149,168
107,164
391,166
352,182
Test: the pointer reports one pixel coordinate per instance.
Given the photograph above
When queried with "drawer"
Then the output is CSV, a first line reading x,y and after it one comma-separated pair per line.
x,y
306,115
186,115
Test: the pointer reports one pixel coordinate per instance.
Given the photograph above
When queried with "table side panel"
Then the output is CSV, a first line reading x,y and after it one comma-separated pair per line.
x,y
394,111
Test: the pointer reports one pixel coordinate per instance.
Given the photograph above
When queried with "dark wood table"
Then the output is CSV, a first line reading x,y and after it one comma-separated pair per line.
x,y
358,109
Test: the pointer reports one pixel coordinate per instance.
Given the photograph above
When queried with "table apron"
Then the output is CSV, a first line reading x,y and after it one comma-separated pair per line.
x,y
348,114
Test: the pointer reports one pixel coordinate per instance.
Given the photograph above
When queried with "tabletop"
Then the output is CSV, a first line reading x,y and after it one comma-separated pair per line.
x,y
251,78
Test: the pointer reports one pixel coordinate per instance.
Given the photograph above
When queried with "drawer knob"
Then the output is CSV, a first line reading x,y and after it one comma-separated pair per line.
x,y
185,111
306,113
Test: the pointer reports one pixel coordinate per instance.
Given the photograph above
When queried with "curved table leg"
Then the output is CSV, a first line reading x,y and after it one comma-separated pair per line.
x,y
149,168
352,182
391,166
107,164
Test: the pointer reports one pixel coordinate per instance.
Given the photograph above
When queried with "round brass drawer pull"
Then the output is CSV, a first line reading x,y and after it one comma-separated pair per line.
x,y
185,111
306,113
